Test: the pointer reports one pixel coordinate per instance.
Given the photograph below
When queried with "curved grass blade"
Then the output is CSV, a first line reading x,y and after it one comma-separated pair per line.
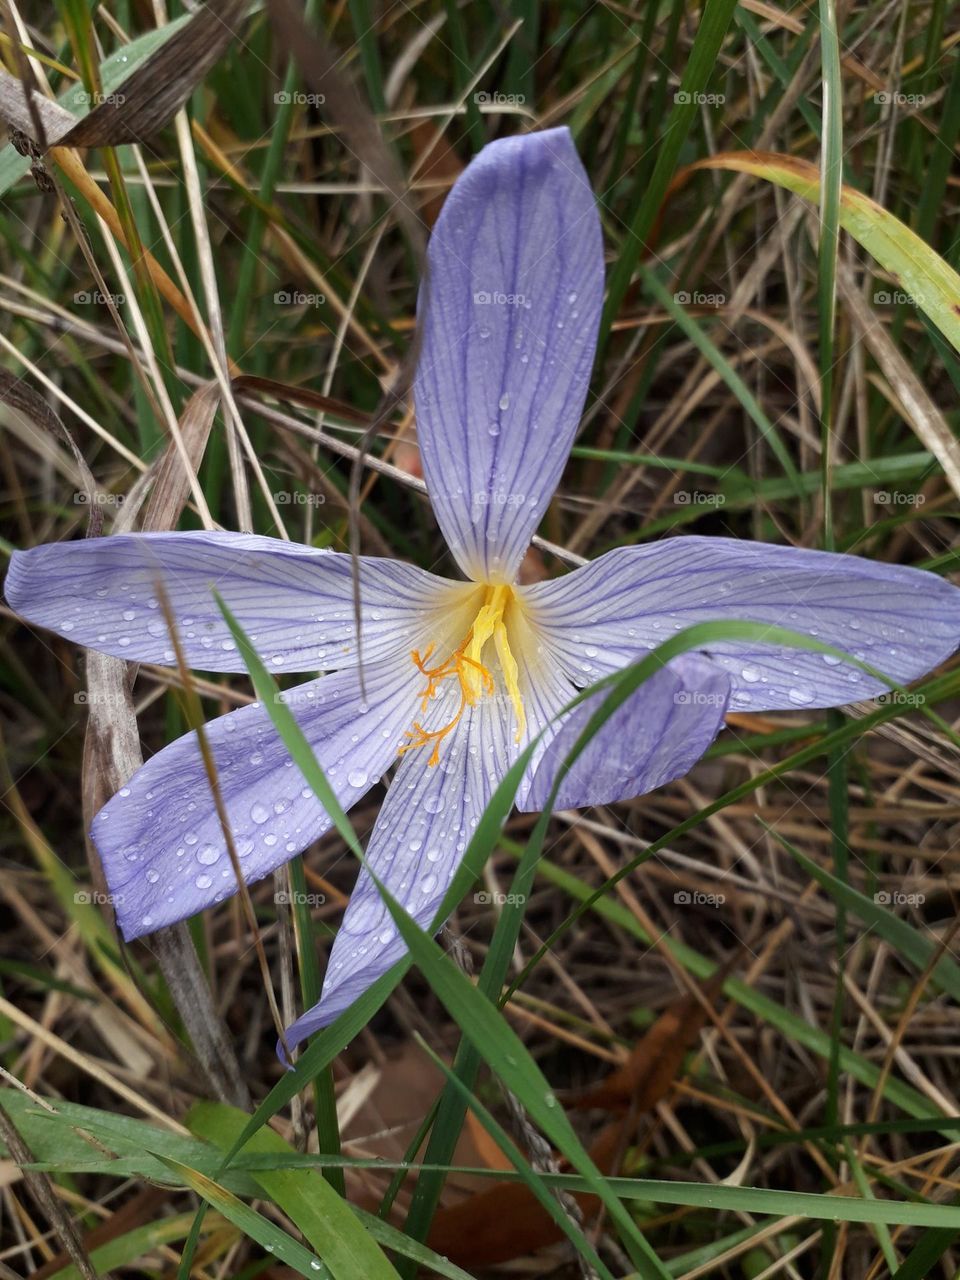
x,y
307,1199
267,1234
919,270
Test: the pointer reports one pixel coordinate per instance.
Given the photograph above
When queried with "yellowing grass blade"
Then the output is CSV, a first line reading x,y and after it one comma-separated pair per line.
x,y
916,268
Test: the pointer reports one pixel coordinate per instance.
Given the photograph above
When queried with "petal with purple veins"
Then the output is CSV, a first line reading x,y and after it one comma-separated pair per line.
x,y
657,734
295,602
902,621
422,832
160,840
509,314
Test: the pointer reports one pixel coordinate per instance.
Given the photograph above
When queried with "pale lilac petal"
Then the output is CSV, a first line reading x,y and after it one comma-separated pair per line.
x,y
901,621
295,602
160,839
656,735
422,831
510,311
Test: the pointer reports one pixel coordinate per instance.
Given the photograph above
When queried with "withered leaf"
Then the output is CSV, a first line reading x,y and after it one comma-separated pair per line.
x,y
147,100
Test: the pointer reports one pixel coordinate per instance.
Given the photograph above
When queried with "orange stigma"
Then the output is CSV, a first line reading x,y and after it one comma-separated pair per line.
x,y
473,677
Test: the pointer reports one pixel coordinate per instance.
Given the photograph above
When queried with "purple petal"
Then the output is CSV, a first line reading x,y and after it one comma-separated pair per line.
x,y
902,621
656,735
421,834
160,839
295,602
510,312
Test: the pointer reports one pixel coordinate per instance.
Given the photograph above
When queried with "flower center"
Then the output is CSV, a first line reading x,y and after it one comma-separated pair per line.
x,y
465,665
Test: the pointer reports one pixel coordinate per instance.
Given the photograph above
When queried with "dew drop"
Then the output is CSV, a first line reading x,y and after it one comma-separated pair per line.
x,y
203,882
208,855
259,813
357,778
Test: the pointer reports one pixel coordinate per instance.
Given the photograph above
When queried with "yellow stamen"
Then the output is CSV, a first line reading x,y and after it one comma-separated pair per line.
x,y
465,665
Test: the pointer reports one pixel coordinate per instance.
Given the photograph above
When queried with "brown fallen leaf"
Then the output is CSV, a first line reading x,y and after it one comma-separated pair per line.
x,y
506,1221
441,163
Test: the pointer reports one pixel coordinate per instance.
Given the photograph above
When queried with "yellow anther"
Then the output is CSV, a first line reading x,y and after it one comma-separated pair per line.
x,y
465,665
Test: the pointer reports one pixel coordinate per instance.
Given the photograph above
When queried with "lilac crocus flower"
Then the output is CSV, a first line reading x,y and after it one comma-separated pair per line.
x,y
459,675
